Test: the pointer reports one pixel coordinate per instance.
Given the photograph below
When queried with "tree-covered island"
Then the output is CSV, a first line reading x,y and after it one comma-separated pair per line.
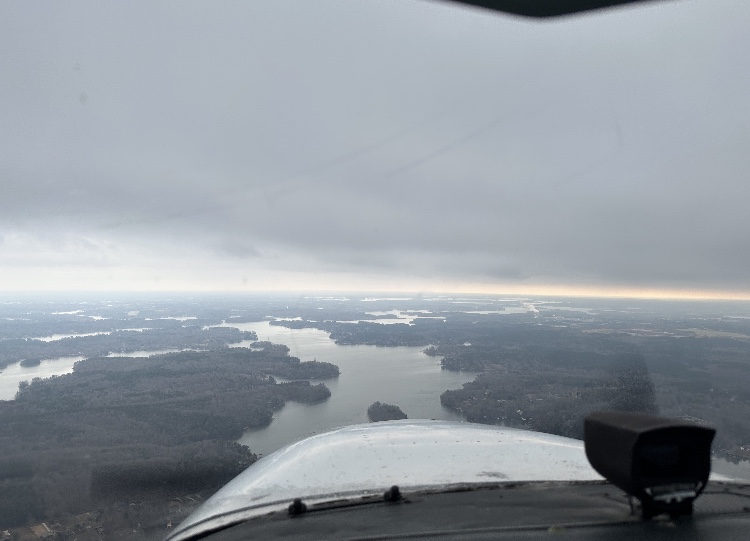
x,y
380,411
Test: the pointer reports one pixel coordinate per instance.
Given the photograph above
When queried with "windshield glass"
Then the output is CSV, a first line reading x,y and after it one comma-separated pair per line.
x,y
228,226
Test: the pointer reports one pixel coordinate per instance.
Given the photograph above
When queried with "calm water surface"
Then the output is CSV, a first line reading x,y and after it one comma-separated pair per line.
x,y
11,376
397,375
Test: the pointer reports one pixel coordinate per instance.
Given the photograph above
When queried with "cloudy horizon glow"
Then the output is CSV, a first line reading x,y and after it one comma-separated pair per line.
x,y
402,145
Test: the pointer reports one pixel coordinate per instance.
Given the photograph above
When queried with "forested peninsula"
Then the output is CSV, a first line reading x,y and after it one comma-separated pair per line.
x,y
169,335
141,429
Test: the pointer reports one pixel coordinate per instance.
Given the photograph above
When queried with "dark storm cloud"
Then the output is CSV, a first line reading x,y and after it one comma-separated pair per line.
x,y
411,138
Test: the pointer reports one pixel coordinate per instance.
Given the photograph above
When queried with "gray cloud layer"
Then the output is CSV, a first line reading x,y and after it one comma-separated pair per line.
x,y
403,138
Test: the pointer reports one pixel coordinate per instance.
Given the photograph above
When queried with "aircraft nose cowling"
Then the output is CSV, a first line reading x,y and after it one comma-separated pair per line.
x,y
367,459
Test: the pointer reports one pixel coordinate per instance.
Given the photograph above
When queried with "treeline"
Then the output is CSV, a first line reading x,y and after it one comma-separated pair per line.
x,y
553,398
55,485
368,333
704,378
173,470
136,429
174,336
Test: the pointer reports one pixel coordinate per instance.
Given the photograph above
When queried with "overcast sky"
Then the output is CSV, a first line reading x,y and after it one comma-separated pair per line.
x,y
374,145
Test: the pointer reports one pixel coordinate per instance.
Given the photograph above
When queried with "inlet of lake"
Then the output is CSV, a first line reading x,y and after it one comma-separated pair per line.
x,y
403,376
12,375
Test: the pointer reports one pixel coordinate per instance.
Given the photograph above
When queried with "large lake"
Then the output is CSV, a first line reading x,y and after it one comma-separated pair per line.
x,y
397,375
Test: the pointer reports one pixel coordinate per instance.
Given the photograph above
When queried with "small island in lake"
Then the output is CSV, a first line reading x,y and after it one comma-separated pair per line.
x,y
380,411
27,363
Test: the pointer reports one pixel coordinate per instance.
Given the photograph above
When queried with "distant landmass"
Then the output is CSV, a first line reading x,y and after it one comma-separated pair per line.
x,y
380,411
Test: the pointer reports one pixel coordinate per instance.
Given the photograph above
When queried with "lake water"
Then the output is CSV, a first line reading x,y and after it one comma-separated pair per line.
x,y
403,376
11,376
740,471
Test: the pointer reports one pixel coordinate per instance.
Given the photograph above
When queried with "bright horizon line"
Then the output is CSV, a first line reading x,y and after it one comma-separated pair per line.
x,y
539,291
